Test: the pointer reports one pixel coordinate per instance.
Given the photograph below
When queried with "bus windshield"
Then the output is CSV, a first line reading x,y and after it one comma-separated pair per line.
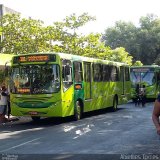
x,y
34,79
143,77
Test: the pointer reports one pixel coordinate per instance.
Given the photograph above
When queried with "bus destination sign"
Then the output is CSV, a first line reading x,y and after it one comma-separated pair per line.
x,y
35,58
140,69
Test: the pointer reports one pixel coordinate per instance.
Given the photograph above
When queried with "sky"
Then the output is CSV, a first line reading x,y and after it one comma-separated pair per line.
x,y
107,12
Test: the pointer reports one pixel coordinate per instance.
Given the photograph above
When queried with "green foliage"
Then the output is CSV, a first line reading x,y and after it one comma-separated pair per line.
x,y
70,41
120,55
138,63
157,61
1,77
28,35
120,34
23,35
142,42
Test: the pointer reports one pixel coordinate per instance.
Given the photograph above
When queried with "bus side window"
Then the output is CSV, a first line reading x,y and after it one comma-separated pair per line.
x,y
78,72
127,76
66,74
114,73
67,69
97,72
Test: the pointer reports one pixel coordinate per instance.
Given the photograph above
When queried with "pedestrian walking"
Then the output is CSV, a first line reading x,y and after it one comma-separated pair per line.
x,y
8,106
143,95
137,99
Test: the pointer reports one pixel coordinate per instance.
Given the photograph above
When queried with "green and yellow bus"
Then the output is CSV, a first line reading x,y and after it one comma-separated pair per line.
x,y
148,75
60,85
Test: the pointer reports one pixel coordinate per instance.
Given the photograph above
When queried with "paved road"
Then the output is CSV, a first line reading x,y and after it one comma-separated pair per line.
x,y
128,131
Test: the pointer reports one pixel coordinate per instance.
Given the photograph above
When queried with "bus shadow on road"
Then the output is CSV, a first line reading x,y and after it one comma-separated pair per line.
x,y
57,121
53,121
100,112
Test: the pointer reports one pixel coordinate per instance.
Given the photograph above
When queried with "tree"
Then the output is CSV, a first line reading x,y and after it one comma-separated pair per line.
x,y
1,76
137,63
120,55
66,33
157,61
148,38
22,35
121,35
142,42
27,36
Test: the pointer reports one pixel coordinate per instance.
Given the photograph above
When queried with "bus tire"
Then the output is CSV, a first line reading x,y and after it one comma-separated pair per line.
x,y
35,119
115,104
78,111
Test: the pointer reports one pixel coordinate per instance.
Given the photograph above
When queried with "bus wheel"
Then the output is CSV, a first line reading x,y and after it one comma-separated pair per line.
x,y
35,119
115,104
78,111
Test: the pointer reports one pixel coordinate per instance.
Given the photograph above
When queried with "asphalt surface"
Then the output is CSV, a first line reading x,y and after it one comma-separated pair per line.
x,y
126,132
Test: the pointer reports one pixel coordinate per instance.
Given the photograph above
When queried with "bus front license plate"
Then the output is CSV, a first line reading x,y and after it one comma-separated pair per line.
x,y
33,113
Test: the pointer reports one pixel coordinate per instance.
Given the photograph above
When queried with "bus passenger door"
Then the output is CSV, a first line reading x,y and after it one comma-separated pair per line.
x,y
125,83
122,79
68,89
87,81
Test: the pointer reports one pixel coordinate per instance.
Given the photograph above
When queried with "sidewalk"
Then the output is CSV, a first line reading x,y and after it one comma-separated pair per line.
x,y
11,119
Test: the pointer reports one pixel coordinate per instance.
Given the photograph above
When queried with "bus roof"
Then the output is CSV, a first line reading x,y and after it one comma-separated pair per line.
x,y
78,58
146,66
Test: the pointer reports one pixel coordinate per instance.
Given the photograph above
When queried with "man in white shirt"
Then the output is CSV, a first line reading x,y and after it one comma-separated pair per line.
x,y
3,103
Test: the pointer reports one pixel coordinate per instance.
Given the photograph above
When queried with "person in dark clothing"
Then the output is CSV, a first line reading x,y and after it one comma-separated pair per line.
x,y
137,99
143,95
8,106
